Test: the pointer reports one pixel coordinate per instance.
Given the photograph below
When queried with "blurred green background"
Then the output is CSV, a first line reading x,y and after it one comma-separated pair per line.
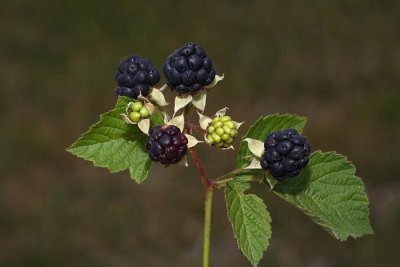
x,y
336,62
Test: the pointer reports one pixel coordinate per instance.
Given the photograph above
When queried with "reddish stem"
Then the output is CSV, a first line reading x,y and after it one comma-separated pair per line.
x,y
194,127
206,182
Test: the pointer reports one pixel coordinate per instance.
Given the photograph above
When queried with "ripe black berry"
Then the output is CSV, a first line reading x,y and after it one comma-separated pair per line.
x,y
189,69
135,76
286,152
166,144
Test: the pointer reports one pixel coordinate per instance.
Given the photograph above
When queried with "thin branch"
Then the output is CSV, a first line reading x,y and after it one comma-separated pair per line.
x,y
207,226
206,182
232,174
194,127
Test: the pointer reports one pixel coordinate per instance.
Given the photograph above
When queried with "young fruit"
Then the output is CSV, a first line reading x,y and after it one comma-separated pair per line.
x,y
221,131
189,69
138,111
166,144
286,153
135,76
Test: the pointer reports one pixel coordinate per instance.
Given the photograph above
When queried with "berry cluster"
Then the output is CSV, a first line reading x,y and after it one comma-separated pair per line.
x,y
189,69
135,76
286,152
138,111
166,144
222,131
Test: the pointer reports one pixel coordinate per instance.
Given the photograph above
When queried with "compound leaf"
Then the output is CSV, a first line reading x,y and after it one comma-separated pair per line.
x,y
250,220
114,144
328,191
247,213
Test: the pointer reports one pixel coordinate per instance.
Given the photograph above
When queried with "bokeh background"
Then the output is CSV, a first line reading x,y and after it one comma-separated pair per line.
x,y
336,62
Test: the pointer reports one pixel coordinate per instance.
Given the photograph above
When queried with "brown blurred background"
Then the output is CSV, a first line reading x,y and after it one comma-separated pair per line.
x,y
336,62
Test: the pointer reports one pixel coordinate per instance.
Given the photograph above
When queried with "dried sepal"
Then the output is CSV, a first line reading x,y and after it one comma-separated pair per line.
x,y
216,80
204,121
199,100
206,140
178,121
221,112
183,161
144,126
157,97
128,107
150,107
127,119
271,181
182,101
192,141
162,88
165,116
256,147
254,164
238,124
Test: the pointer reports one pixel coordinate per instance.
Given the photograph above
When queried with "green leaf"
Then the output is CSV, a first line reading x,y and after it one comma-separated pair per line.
x,y
247,213
157,118
114,144
264,126
250,220
328,191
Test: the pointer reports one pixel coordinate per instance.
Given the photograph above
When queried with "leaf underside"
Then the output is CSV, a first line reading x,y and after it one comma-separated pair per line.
x,y
113,144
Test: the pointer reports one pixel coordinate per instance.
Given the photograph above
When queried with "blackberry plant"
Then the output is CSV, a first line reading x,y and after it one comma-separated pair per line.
x,y
273,152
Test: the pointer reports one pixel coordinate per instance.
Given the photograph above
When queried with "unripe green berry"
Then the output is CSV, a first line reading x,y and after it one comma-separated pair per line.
x,y
227,130
217,124
219,131
144,112
137,106
225,136
230,124
222,131
216,138
225,118
134,116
